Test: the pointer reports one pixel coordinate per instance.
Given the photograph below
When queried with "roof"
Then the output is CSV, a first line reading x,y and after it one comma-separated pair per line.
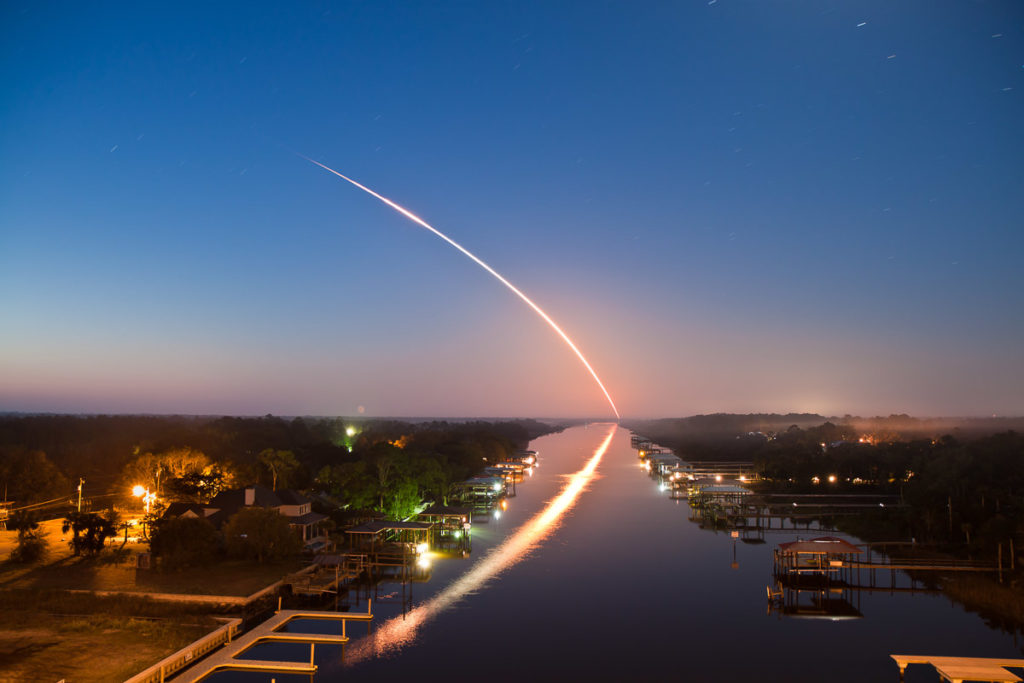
x,y
480,480
308,518
291,497
445,511
179,509
233,500
820,546
723,489
377,526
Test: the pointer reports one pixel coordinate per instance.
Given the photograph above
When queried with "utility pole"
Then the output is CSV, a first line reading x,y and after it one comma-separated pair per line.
x,y
80,482
950,517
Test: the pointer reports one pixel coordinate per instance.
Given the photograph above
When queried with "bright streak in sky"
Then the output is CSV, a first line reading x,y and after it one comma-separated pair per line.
x,y
416,219
399,631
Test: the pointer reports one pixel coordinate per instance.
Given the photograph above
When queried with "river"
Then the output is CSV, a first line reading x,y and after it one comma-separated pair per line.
x,y
605,578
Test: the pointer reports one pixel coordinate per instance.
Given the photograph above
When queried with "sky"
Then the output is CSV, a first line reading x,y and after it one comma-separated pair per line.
x,y
730,206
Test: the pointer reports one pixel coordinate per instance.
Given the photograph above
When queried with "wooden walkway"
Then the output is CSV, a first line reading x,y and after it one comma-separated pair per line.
x,y
958,669
926,565
227,658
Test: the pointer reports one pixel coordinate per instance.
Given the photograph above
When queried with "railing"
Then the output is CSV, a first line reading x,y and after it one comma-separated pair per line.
x,y
185,656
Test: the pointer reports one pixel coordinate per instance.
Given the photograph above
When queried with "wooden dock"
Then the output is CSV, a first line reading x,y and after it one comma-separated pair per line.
x,y
958,669
227,657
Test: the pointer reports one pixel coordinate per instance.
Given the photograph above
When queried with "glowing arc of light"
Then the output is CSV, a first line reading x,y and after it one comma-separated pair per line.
x,y
419,221
401,630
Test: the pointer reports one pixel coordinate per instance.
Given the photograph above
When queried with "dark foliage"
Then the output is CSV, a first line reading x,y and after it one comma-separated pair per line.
x,y
178,542
90,530
260,534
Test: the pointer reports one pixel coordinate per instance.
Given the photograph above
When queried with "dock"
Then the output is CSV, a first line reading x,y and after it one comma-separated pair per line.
x,y
270,630
958,669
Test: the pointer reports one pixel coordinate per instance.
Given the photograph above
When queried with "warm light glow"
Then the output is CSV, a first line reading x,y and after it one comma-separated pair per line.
x,y
400,631
423,562
831,478
416,219
422,548
718,477
138,491
350,431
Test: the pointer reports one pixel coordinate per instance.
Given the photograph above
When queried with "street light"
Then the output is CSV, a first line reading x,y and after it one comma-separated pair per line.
x,y
143,493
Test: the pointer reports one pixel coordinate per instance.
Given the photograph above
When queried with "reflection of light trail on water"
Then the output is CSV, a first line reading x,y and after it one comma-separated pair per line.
x,y
416,219
398,632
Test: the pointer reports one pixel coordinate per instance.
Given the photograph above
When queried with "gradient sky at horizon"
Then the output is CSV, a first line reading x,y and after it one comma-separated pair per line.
x,y
731,206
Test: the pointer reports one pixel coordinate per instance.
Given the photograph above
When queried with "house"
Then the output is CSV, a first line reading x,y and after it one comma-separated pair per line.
x,y
292,504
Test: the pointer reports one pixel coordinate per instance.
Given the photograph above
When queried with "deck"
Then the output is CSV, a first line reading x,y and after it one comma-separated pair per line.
x,y
958,669
227,657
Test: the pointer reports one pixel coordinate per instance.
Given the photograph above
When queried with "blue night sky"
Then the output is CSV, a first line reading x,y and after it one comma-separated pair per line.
x,y
730,206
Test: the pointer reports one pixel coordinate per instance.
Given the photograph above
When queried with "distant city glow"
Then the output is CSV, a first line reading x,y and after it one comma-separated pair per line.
x,y
400,631
416,219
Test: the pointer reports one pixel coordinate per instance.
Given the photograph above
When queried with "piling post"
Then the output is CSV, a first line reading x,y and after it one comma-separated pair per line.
x,y
1000,563
312,648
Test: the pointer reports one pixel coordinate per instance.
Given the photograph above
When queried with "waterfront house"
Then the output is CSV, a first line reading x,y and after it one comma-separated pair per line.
x,y
296,507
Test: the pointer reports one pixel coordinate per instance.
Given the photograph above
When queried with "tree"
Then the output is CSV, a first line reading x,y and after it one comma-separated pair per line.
x,y
31,542
200,486
280,464
402,499
90,530
165,469
356,485
182,541
260,534
29,475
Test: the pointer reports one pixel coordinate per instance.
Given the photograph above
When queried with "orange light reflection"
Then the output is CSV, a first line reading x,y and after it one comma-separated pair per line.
x,y
398,632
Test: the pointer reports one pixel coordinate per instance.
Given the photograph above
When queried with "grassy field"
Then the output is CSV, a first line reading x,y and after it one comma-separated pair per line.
x,y
115,570
47,634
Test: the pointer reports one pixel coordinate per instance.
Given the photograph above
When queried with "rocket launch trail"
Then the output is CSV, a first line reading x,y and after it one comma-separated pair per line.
x,y
419,221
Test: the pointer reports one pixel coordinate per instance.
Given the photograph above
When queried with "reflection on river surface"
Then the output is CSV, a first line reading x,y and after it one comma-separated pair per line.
x,y
593,574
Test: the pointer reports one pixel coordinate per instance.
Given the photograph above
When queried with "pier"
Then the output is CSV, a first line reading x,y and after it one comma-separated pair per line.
x,y
958,669
270,630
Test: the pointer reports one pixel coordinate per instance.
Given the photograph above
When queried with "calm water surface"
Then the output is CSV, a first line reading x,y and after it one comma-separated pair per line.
x,y
622,587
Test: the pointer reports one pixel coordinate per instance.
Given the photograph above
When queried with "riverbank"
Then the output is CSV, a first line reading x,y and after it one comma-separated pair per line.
x,y
54,626
51,635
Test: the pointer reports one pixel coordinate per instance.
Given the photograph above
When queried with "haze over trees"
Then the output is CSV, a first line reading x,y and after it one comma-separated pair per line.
x,y
387,465
962,491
